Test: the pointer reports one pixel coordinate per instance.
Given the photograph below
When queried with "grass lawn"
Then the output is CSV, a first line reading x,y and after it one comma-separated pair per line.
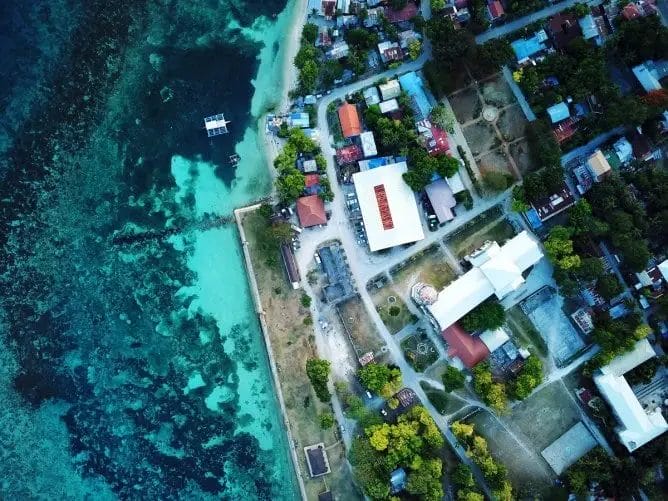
x,y
429,266
387,302
419,351
443,402
359,326
523,329
487,226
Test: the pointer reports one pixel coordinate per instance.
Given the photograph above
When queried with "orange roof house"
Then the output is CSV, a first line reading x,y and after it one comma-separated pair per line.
x,y
350,120
470,350
311,211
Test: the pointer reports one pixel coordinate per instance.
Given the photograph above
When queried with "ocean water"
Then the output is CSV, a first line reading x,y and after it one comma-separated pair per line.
x,y
131,361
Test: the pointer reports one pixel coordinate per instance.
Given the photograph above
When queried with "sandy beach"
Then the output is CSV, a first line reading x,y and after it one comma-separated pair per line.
x,y
289,75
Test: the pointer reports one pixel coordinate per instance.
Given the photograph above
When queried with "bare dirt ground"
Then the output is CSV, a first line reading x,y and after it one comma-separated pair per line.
x,y
429,267
495,161
512,123
481,137
465,104
496,91
520,153
293,343
498,230
363,332
527,470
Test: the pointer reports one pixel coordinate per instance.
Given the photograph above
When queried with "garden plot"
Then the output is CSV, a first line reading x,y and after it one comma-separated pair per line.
x,y
466,105
496,92
495,161
392,309
419,351
520,153
512,123
481,137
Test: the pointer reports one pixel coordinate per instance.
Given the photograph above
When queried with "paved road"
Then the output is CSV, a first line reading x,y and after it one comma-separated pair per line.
x,y
528,19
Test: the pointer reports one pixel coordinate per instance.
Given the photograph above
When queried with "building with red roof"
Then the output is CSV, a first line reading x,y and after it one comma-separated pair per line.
x,y
350,120
311,180
311,211
349,154
495,9
631,11
469,349
409,11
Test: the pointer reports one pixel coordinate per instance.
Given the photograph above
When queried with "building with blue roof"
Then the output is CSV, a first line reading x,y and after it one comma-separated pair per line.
x,y
414,87
532,218
558,112
300,120
650,72
525,48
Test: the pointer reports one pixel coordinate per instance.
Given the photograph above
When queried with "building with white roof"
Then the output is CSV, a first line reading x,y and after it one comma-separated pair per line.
x,y
496,271
494,339
388,207
390,90
636,426
368,144
663,268
623,150
389,106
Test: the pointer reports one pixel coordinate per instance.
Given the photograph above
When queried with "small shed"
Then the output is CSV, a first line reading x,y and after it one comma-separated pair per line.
x,y
316,458
368,144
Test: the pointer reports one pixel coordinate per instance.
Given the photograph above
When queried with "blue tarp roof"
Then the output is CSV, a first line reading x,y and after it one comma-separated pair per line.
x,y
398,480
412,84
527,47
379,162
588,26
533,219
558,112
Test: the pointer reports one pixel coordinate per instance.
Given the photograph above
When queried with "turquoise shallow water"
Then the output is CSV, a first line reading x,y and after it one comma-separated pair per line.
x,y
134,367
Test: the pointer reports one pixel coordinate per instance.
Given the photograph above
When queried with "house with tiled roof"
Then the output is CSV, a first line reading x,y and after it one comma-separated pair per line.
x,y
350,120
311,211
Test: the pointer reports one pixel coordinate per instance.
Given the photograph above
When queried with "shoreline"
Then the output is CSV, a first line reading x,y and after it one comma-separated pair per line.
x,y
289,77
252,282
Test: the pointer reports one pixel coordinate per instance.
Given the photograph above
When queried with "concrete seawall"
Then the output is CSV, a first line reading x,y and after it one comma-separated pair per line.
x,y
238,214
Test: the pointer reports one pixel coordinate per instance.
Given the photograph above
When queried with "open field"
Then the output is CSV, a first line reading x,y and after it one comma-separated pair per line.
x,y
429,266
387,302
359,326
292,344
496,91
486,227
419,351
520,153
512,123
524,331
551,408
527,470
481,137
466,105
495,161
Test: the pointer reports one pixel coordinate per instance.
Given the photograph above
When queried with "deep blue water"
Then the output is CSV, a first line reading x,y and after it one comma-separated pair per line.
x,y
97,341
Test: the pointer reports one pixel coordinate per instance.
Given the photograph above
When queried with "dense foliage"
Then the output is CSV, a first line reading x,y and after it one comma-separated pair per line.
x,y
317,371
493,393
453,378
412,443
380,378
488,315
639,40
269,236
476,448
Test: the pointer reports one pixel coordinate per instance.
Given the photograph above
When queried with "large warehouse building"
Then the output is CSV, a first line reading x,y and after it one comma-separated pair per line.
x,y
388,206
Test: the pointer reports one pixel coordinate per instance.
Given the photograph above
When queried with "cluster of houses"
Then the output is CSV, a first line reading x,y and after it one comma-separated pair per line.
x,y
335,16
594,27
383,204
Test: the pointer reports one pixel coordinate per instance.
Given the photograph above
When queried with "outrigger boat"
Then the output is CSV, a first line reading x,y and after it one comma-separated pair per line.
x,y
234,159
215,125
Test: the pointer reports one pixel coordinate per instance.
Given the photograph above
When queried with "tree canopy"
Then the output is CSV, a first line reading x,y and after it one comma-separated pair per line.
x,y
317,371
639,40
380,378
488,315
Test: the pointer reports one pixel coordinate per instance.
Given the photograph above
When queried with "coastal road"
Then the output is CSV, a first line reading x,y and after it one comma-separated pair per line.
x,y
521,22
